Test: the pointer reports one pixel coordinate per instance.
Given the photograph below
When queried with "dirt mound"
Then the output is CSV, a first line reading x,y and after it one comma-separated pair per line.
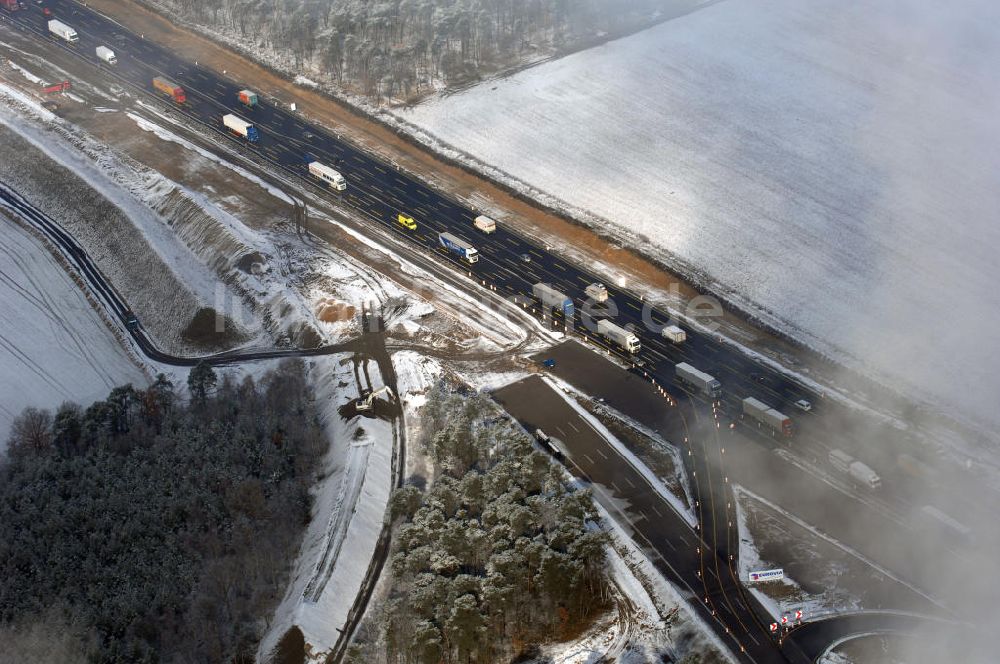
x,y
291,649
210,329
330,310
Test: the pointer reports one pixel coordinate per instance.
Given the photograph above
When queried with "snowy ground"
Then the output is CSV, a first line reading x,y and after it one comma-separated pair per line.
x,y
833,168
54,346
822,576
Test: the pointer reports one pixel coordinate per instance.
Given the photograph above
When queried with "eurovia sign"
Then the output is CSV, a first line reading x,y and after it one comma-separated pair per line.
x,y
767,575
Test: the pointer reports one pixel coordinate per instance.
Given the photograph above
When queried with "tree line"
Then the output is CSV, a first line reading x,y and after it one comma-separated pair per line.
x,y
496,556
160,528
401,48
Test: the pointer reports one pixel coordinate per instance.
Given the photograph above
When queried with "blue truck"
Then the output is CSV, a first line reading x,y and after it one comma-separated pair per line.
x,y
553,299
459,247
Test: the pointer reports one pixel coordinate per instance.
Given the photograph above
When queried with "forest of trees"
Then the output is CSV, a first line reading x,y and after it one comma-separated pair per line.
x,y
496,556
396,49
159,529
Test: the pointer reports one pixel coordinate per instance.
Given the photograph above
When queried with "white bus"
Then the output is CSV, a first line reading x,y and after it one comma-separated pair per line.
x,y
328,175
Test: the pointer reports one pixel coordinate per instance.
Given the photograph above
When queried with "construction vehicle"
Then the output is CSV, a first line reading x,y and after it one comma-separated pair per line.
x,y
485,224
63,31
328,175
764,414
57,87
597,292
106,55
367,402
406,221
699,380
171,89
553,299
619,335
459,247
674,334
248,98
240,127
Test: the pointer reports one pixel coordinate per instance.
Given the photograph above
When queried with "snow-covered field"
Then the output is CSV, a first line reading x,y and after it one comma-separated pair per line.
x,y
834,168
56,348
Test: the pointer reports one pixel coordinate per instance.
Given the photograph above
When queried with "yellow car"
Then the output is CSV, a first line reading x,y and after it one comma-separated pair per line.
x,y
406,222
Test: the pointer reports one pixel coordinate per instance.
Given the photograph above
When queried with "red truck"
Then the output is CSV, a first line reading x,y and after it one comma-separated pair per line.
x,y
170,89
10,5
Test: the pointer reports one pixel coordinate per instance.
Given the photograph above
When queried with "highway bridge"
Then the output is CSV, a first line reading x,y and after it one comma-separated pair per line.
x,y
510,263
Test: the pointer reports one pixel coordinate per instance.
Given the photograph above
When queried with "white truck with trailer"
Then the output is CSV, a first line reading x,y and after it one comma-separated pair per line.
x,y
328,175
241,127
485,224
597,292
764,414
674,334
618,335
856,470
63,31
701,381
106,55
553,299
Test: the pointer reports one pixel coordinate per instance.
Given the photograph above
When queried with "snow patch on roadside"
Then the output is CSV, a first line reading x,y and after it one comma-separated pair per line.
x,y
27,102
167,135
37,80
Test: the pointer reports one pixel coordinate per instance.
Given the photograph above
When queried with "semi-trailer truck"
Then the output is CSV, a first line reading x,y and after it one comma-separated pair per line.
x,y
63,31
761,412
171,89
699,380
553,299
618,335
106,54
459,247
485,224
241,127
248,98
328,175
856,470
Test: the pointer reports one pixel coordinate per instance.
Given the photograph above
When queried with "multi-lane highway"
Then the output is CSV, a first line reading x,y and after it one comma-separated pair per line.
x,y
510,263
